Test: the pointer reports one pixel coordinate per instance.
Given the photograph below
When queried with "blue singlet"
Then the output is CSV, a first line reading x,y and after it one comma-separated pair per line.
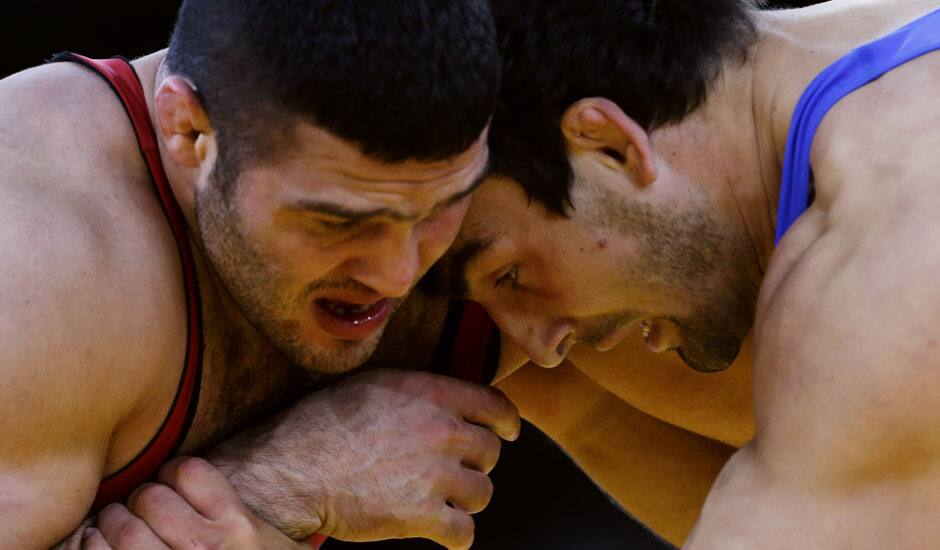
x,y
859,67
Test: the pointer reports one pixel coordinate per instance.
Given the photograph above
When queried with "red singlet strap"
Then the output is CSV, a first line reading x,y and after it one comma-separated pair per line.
x,y
115,488
475,353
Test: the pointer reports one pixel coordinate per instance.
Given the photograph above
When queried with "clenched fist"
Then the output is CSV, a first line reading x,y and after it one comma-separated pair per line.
x,y
384,454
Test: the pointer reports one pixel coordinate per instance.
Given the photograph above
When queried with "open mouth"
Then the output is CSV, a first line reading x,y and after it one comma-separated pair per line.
x,y
652,336
346,320
649,330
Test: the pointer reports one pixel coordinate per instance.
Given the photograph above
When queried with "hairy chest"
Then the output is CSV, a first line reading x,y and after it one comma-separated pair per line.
x,y
243,380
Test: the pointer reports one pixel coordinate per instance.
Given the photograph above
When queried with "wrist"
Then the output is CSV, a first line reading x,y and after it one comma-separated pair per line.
x,y
262,487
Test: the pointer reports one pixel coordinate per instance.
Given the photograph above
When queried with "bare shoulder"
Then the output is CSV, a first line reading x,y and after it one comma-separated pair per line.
x,y
85,251
89,277
848,336
93,326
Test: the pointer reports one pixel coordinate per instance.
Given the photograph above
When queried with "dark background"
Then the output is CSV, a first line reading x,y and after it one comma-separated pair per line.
x,y
542,501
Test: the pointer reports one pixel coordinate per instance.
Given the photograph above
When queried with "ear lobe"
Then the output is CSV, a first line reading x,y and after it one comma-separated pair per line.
x,y
598,124
182,121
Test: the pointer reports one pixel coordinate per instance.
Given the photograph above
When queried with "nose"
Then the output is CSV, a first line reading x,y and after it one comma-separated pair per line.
x,y
392,265
545,342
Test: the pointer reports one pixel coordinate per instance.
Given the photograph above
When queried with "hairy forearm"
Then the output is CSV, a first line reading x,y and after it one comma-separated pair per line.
x,y
265,483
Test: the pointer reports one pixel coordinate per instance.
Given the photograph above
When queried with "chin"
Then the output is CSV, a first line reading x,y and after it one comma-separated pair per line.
x,y
329,355
708,362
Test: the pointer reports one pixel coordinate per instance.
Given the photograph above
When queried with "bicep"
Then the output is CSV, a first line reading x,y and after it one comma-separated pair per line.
x,y
847,395
847,375
50,463
42,503
55,425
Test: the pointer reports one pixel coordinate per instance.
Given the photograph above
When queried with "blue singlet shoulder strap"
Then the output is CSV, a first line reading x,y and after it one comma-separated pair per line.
x,y
857,68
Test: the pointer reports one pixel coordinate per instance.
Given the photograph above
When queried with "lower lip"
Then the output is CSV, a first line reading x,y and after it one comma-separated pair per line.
x,y
654,339
351,326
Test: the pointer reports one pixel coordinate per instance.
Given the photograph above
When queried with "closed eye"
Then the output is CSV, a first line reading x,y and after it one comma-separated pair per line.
x,y
336,226
511,276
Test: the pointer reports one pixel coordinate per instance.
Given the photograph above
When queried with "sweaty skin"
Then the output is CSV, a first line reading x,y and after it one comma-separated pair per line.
x,y
836,382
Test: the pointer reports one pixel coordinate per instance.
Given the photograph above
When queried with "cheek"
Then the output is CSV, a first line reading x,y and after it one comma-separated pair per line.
x,y
295,255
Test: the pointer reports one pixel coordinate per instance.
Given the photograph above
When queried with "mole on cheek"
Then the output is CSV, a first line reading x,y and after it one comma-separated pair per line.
x,y
601,244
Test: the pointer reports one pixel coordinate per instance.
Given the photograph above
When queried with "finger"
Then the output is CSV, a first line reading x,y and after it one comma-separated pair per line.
x,y
469,491
202,486
489,407
452,528
93,540
123,530
167,514
478,448
483,405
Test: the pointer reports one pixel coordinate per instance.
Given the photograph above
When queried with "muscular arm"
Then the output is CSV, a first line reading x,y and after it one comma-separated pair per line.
x,y
659,473
59,394
847,386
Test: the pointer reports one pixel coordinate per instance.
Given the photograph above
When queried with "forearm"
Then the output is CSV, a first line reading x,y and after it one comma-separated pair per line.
x,y
265,483
659,473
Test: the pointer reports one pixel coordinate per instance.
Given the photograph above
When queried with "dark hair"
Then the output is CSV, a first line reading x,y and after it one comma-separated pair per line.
x,y
413,79
654,58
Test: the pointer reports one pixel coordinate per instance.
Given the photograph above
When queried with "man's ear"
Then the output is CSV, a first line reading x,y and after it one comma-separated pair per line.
x,y
599,125
182,121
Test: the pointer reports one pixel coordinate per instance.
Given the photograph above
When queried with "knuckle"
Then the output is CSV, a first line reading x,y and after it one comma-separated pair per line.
x,y
147,496
428,507
448,429
434,482
130,533
415,382
191,469
110,511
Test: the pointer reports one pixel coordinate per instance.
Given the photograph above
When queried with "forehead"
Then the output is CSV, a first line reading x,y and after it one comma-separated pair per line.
x,y
501,208
501,219
314,161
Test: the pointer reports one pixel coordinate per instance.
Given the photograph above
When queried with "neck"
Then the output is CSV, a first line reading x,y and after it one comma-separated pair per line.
x,y
725,149
740,132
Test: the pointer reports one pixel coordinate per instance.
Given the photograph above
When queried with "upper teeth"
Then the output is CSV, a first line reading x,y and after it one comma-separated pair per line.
x,y
645,328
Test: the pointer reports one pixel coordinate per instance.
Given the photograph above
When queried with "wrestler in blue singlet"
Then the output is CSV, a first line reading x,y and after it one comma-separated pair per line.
x,y
859,67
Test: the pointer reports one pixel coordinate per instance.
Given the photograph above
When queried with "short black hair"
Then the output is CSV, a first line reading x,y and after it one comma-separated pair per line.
x,y
413,79
654,58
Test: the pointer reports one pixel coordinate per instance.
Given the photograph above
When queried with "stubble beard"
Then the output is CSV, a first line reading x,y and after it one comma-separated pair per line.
x,y
686,251
259,289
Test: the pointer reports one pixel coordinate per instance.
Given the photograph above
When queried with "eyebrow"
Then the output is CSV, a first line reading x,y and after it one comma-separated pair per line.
x,y
338,211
